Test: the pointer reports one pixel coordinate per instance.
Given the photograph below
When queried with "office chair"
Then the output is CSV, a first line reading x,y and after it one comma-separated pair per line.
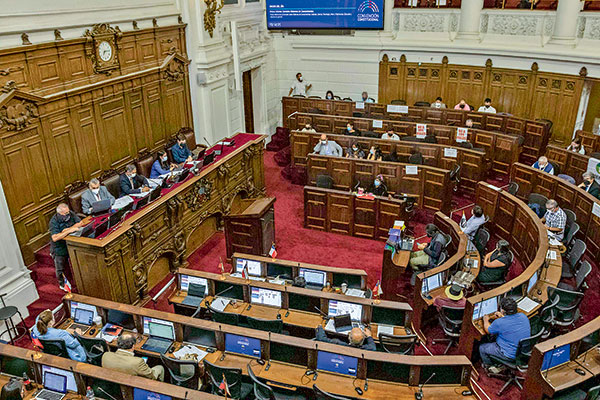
x,y
368,293
223,317
398,344
299,95
570,262
314,97
448,240
324,181
571,216
347,99
481,239
398,102
502,272
337,98
567,178
94,348
518,365
237,388
513,188
422,104
570,235
274,325
539,199
555,166
263,391
584,270
455,176
450,319
185,373
55,347
323,395
542,322
520,139
466,145
566,312
416,158
443,258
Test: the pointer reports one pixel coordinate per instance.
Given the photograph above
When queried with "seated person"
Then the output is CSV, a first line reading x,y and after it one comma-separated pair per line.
x,y
328,147
123,360
95,193
509,326
44,330
590,185
378,187
308,128
487,106
132,183
350,131
462,105
161,165
365,98
393,157
469,123
180,151
329,95
357,337
495,263
477,219
355,151
543,165
438,103
390,135
454,297
555,220
576,146
375,154
430,138
428,254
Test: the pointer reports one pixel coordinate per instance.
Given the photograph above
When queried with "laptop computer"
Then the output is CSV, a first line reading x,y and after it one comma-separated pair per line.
x,y
84,231
82,319
343,323
208,159
100,229
116,217
154,194
200,154
195,295
55,387
101,206
182,176
161,336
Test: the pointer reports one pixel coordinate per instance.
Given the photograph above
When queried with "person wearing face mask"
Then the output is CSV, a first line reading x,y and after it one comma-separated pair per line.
x,y
487,107
132,183
390,135
299,87
329,95
543,165
590,185
355,151
161,165
428,254
438,103
495,263
576,146
462,105
62,224
469,123
350,131
378,187
180,151
328,147
95,193
374,154
366,99
308,128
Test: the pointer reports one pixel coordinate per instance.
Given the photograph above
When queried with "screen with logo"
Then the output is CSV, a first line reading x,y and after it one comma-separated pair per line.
x,y
324,14
266,297
254,267
242,345
341,308
338,363
556,357
185,280
141,394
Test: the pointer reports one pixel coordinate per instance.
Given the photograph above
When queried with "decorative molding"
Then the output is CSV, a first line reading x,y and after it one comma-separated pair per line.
x,y
135,25
424,23
18,116
199,194
8,71
513,25
210,19
25,39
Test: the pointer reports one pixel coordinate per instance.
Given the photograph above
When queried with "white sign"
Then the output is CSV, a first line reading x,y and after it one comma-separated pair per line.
x,y
594,167
421,131
397,109
413,3
450,152
440,3
377,123
461,134
412,170
596,209
359,105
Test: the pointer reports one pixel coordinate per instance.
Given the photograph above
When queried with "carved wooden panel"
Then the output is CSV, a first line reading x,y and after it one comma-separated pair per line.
x,y
340,214
315,215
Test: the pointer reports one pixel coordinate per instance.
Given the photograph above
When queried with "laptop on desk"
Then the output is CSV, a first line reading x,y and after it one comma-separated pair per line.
x,y
99,207
55,387
82,320
162,335
84,231
344,323
195,294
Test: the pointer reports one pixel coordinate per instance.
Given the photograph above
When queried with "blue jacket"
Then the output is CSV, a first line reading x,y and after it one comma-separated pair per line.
x,y
157,170
180,154
548,168
74,348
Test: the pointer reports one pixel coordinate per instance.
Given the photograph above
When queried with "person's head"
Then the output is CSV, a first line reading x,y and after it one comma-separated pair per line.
x,y
431,230
126,341
63,212
542,161
355,146
94,185
365,95
462,103
356,337
477,211
469,123
13,390
162,156
378,180
576,143
552,205
299,76
390,131
130,170
508,306
503,246
438,100
308,125
324,138
350,126
588,178
487,103
454,292
180,140
329,95
44,321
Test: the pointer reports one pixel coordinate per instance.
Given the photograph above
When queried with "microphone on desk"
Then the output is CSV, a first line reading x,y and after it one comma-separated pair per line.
x,y
325,316
357,185
292,114
366,387
104,391
224,291
269,360
35,374
222,355
186,393
419,394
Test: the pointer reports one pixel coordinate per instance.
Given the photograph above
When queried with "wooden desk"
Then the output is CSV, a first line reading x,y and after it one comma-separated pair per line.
x,y
145,247
251,229
536,133
569,162
430,186
472,162
393,267
568,196
342,212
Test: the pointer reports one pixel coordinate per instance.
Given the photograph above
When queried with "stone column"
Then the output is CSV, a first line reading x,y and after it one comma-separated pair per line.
x,y
470,19
565,24
388,15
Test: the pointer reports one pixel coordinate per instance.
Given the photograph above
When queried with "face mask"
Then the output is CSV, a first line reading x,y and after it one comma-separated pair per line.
x,y
300,79
487,106
164,158
64,218
307,127
329,97
354,149
96,191
462,106
324,142
349,129
132,176
377,183
588,183
372,151
181,144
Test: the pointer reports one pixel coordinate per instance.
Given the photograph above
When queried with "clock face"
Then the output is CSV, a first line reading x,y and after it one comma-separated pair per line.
x,y
105,51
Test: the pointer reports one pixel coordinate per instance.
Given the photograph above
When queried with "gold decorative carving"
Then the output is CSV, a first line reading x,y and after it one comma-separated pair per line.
x,y
199,194
210,20
174,71
154,23
8,71
57,35
18,116
135,25
25,39
9,86
98,36
180,20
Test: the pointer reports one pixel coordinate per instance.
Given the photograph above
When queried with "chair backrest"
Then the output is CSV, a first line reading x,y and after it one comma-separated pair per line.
x,y
539,199
584,270
451,319
571,216
398,102
465,145
185,373
525,347
314,97
110,179
416,158
224,318
94,348
324,181
593,393
570,234
443,257
398,344
574,256
168,145
595,155
482,237
422,104
143,164
568,299
455,173
555,166
269,325
261,390
567,178
232,375
347,99
55,347
513,188
323,395
73,193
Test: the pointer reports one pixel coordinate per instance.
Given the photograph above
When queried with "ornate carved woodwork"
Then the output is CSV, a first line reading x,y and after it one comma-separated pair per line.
x,y
102,49
210,20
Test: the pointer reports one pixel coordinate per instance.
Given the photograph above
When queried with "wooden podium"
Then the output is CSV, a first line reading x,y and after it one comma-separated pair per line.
x,y
251,231
393,267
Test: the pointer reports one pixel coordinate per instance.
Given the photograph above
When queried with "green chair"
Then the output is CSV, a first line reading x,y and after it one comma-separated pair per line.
x,y
55,347
237,388
224,318
398,344
102,387
269,325
263,391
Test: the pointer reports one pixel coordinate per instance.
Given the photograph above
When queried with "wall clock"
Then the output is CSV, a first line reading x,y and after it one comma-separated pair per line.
x,y
102,48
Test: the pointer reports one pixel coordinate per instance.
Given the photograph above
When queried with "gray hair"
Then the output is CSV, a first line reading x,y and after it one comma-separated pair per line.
x,y
62,206
551,204
130,168
126,341
94,181
543,159
588,174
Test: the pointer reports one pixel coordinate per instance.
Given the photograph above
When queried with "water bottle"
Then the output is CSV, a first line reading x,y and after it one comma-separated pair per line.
x,y
27,382
89,394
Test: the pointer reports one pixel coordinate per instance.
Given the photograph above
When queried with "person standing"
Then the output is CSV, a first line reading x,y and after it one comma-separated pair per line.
x,y
299,87
62,224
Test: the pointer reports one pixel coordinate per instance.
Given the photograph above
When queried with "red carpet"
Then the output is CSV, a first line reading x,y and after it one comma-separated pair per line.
x,y
307,245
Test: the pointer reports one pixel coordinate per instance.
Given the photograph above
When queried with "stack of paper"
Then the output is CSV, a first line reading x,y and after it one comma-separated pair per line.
x,y
187,349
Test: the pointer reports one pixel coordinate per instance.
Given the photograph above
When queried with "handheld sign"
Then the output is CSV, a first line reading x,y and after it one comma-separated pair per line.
x,y
450,153
359,105
412,170
461,134
421,131
377,123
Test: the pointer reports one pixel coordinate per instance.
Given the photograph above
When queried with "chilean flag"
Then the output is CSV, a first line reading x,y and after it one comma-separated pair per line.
x,y
68,287
34,339
463,221
377,291
224,387
245,271
273,251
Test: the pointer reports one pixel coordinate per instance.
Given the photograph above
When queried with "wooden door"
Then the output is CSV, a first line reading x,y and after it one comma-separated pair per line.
x,y
248,107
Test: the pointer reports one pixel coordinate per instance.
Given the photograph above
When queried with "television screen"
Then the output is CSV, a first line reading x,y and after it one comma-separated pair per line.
x,y
324,14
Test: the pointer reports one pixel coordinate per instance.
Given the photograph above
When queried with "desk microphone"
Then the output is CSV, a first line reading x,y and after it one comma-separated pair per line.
x,y
325,316
357,185
366,387
269,360
35,374
222,355
419,394
292,114
186,393
224,291
110,396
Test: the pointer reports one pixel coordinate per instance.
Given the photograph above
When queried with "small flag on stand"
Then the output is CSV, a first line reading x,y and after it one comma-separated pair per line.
x,y
273,251
224,387
245,271
221,266
463,221
377,291
67,286
36,342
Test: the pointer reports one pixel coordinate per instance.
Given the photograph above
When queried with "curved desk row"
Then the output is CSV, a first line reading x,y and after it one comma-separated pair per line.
x,y
512,220
390,376
472,162
536,133
585,206
590,142
569,162
431,186
500,148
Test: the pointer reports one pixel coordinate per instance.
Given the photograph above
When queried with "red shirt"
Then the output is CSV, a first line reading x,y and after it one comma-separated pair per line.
x,y
444,301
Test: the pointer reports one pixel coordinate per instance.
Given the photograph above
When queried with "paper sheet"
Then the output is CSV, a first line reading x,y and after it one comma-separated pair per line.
x,y
330,326
526,304
219,303
385,329
187,349
355,292
122,202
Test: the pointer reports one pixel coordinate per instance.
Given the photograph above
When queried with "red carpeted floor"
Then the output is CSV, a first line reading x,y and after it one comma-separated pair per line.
x,y
294,242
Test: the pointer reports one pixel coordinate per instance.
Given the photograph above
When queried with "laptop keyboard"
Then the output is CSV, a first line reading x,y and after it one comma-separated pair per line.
x,y
49,395
156,345
192,301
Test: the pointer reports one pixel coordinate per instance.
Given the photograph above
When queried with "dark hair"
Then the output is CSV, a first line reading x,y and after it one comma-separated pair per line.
x,y
125,341
438,98
43,320
299,281
487,100
350,123
181,136
577,140
329,91
509,305
12,390
357,145
503,246
477,211
431,230
299,73
159,155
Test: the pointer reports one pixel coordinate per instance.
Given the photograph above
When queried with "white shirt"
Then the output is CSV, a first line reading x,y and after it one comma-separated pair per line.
x,y
580,151
490,109
299,88
393,136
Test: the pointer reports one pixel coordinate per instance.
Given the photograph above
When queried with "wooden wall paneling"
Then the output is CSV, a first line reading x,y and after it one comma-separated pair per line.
x,y
137,119
520,237
388,213
544,185
153,107
364,173
365,218
488,199
341,173
316,213
434,183
592,237
509,90
87,144
45,68
115,131
341,214
316,166
525,179
505,216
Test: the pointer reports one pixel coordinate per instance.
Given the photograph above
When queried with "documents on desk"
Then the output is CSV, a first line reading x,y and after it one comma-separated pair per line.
x,y
277,281
385,329
330,326
122,202
554,242
253,278
355,293
526,304
154,182
463,279
220,303
140,195
551,255
184,352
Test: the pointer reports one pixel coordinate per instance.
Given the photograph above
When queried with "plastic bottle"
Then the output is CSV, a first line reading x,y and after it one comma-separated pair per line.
x,y
89,394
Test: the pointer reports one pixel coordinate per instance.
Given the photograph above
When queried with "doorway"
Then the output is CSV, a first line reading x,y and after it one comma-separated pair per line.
x,y
248,104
